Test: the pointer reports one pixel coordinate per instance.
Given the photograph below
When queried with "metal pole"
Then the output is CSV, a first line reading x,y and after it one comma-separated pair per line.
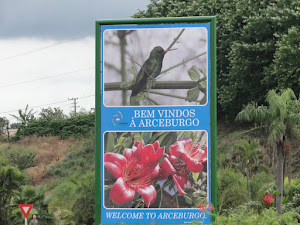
x,y
25,221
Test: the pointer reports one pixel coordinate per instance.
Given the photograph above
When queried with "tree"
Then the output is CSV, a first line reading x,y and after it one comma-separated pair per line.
x,y
52,114
10,181
280,120
35,196
248,40
26,116
286,60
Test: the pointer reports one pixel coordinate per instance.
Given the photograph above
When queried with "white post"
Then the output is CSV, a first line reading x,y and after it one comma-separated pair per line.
x,y
25,221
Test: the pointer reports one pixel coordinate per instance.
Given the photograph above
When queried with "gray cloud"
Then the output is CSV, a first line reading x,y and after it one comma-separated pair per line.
x,y
60,19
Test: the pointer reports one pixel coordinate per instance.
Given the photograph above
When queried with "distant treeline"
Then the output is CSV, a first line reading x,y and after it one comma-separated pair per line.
x,y
76,126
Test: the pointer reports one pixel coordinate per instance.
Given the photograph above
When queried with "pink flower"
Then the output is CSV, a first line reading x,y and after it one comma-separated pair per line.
x,y
172,165
134,171
269,198
193,155
184,157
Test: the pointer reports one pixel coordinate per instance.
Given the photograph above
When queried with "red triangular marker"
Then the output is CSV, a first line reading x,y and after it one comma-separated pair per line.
x,y
25,208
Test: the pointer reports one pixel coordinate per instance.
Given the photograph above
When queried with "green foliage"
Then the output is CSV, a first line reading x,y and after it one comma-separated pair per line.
x,y
260,184
35,196
77,126
265,217
77,163
292,196
62,196
73,200
10,181
280,117
52,114
281,120
257,41
84,206
25,117
3,123
232,189
21,158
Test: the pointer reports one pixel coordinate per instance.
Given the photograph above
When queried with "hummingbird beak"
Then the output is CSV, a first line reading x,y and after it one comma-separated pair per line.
x,y
169,50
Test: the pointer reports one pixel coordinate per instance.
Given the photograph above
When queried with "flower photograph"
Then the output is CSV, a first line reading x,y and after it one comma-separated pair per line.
x,y
155,66
155,169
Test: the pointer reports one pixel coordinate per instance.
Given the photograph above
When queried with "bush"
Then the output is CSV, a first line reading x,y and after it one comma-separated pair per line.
x,y
22,158
232,189
260,184
77,126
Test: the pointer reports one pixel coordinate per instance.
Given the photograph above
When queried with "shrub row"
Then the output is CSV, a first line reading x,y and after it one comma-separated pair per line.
x,y
77,126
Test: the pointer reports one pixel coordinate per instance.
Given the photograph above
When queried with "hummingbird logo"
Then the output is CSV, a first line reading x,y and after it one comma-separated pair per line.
x,y
116,120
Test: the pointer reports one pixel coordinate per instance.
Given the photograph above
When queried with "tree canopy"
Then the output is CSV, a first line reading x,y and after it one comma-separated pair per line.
x,y
256,45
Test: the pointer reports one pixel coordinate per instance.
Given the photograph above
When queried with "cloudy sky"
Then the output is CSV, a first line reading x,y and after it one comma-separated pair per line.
x,y
47,51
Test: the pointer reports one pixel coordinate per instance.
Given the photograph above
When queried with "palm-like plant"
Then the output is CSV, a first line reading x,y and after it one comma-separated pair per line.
x,y
247,155
10,180
281,120
26,116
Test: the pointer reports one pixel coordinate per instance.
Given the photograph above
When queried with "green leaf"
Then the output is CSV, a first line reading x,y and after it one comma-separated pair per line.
x,y
194,73
110,142
192,94
203,84
195,176
203,100
188,200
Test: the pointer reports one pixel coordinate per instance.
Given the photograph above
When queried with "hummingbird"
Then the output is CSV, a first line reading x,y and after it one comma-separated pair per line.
x,y
150,69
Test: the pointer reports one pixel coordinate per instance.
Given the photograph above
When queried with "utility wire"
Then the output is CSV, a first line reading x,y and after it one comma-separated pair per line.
x,y
32,51
43,78
45,104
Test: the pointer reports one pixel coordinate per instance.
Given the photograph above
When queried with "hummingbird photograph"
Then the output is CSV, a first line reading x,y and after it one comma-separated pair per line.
x,y
150,69
155,66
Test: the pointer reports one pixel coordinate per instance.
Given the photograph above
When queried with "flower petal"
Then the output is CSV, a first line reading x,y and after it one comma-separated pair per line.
x,y
192,165
159,153
121,192
114,163
156,145
155,172
166,169
128,152
180,181
177,148
148,193
147,153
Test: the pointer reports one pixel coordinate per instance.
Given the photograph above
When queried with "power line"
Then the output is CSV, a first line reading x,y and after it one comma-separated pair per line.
x,y
45,104
32,51
43,78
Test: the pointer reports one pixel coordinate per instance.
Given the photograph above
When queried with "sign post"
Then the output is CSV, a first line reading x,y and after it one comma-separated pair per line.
x,y
155,159
25,208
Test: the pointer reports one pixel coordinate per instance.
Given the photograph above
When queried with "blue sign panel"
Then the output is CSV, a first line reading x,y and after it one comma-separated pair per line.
x,y
155,124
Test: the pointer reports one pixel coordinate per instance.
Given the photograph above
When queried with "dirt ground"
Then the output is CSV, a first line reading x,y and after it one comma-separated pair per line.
x,y
50,150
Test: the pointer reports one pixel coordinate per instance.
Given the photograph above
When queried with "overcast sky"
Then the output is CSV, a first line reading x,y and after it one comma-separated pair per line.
x,y
47,51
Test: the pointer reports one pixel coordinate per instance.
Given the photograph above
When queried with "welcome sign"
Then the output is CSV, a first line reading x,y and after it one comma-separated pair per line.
x,y
155,121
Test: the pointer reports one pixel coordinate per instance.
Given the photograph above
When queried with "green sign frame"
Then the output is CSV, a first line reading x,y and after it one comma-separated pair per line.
x,y
211,20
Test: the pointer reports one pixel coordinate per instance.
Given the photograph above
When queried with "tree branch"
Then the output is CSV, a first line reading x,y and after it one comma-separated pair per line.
x,y
116,86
